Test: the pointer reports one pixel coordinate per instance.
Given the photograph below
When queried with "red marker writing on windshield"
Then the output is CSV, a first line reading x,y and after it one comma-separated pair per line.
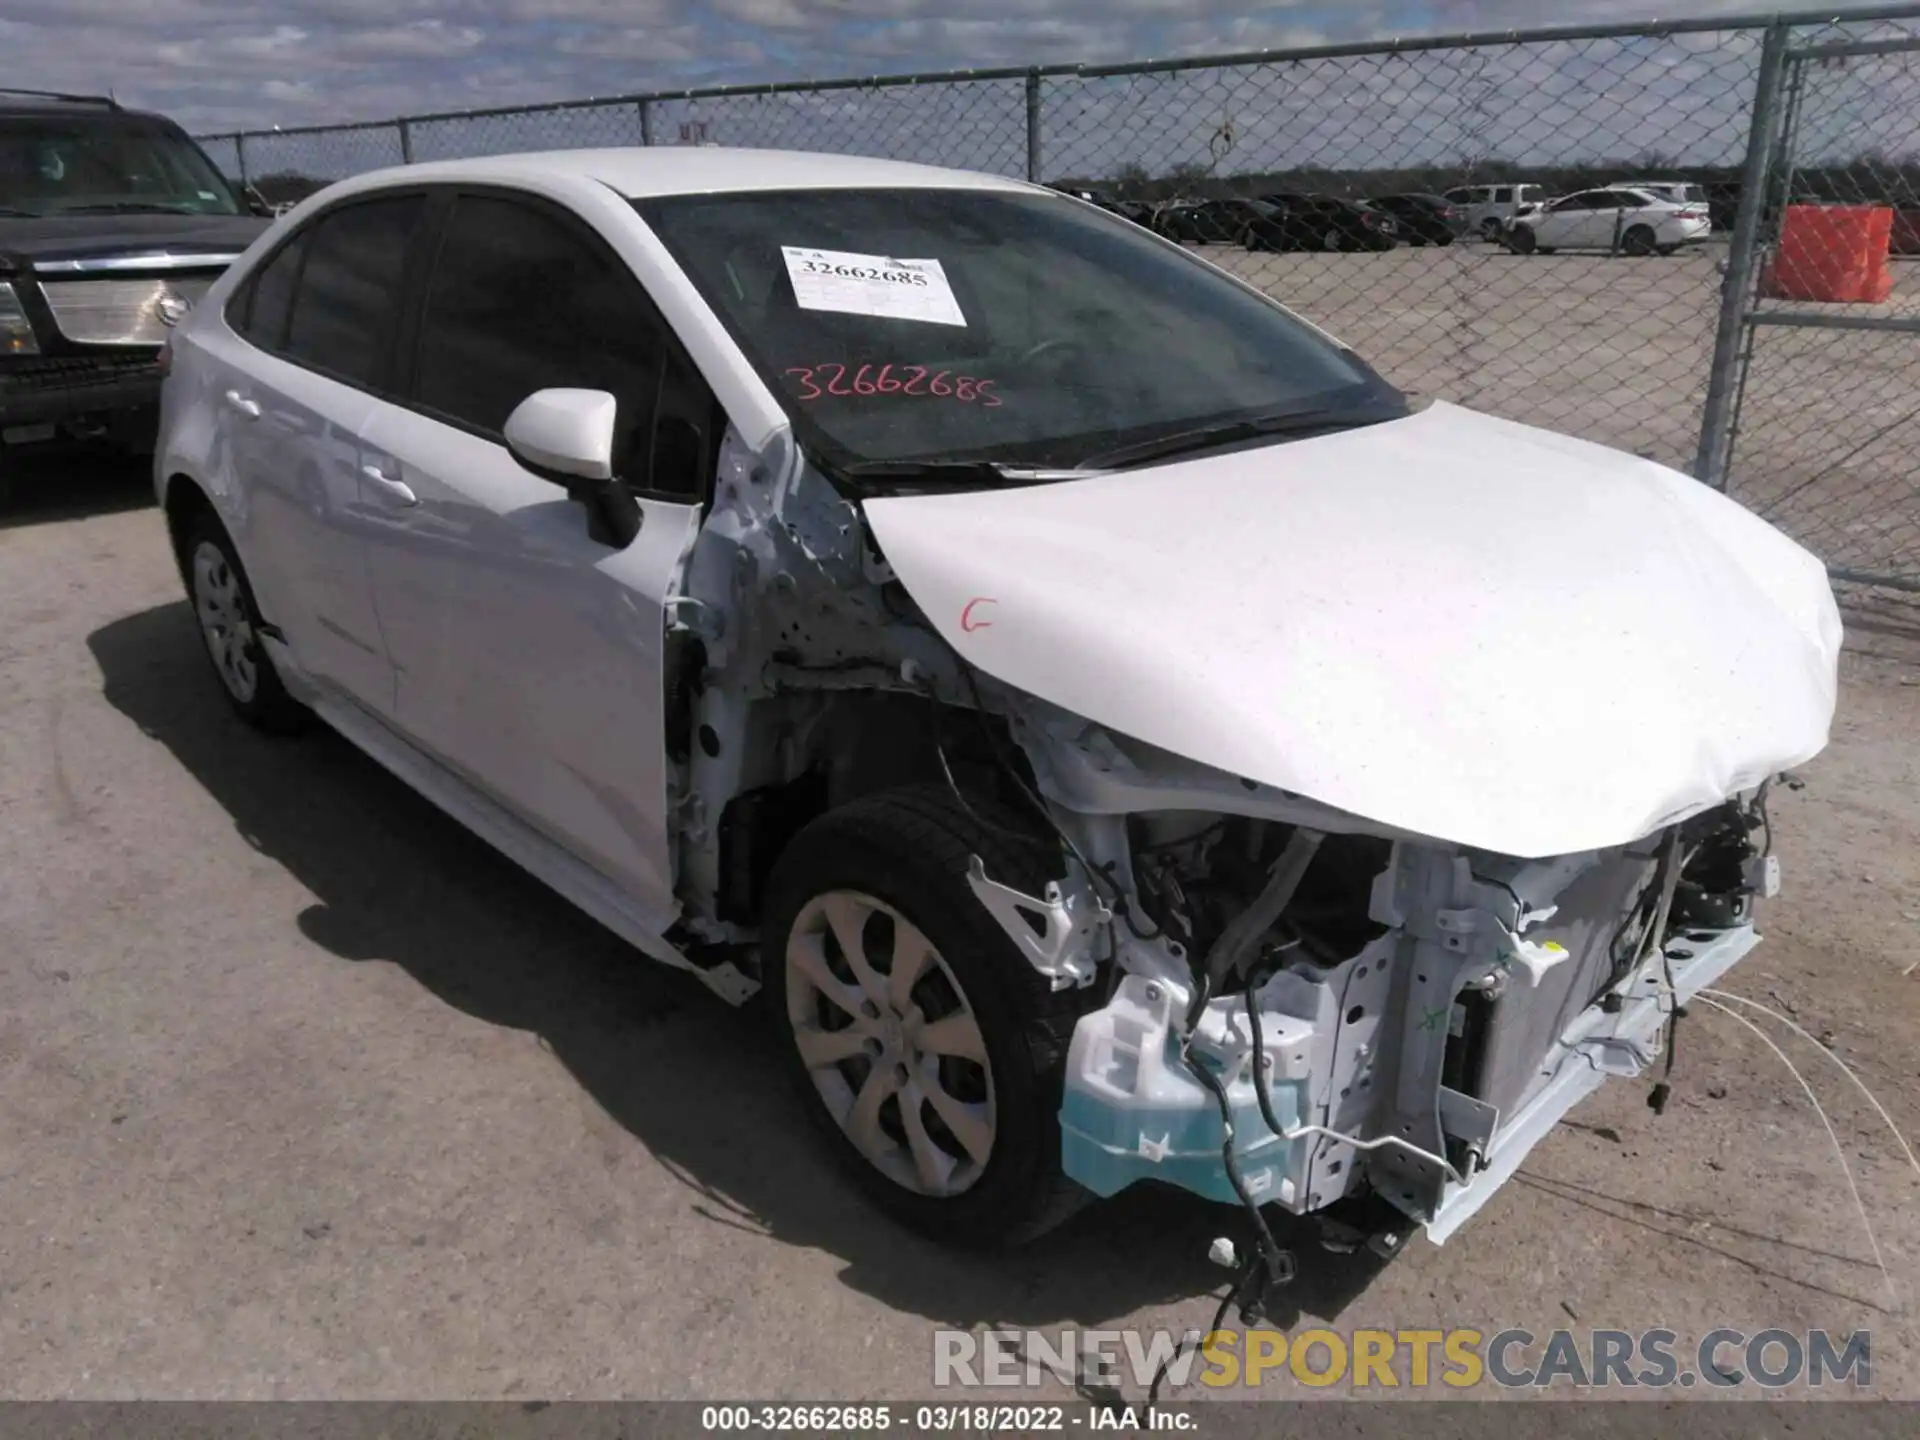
x,y
978,614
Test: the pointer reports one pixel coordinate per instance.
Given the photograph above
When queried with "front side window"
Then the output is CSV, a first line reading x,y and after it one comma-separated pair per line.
x,y
977,325
349,291
106,163
520,301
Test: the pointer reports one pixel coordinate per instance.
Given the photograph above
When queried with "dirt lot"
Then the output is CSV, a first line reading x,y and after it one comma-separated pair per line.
x,y
306,1093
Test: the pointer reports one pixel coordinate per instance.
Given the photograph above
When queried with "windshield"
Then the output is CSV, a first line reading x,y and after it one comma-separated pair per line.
x,y
57,165
949,324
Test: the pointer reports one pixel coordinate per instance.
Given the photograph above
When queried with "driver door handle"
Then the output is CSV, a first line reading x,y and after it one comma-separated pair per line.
x,y
246,407
396,489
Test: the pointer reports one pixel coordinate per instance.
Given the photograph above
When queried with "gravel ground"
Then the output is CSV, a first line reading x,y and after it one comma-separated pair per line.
x,y
304,1092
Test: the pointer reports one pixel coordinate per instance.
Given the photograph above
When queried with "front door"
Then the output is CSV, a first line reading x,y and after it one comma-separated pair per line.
x,y
528,656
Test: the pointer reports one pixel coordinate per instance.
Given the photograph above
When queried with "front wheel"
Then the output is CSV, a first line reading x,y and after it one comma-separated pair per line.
x,y
923,1044
1640,240
1522,241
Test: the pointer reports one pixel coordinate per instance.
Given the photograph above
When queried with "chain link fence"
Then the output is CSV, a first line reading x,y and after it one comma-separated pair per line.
x,y
1826,437
1539,225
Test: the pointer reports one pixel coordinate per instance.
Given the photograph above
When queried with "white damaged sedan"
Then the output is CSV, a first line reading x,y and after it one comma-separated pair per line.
x,y
1121,736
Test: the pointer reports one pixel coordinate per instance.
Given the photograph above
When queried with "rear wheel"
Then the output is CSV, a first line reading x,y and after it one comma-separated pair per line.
x,y
1640,240
1334,239
922,1043
229,622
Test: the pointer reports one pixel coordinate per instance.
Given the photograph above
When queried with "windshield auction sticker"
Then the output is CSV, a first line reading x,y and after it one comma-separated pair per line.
x,y
875,285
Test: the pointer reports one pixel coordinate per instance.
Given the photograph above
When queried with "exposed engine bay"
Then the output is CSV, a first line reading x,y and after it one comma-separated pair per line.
x,y
1286,1004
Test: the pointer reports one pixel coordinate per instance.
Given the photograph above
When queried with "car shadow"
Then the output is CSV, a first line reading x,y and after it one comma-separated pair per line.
x,y
47,488
692,1079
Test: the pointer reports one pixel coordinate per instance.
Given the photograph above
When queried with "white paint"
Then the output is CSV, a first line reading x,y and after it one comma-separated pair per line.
x,y
1453,624
874,285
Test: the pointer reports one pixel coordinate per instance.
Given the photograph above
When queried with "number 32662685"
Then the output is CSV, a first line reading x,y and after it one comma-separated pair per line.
x,y
817,382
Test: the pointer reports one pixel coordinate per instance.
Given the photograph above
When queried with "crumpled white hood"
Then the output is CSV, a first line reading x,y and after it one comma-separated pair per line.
x,y
1451,624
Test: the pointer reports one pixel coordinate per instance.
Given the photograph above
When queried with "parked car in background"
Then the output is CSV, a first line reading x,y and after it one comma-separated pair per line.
x,y
1630,222
811,617
1140,212
1332,222
1489,208
1251,224
112,224
1184,220
1679,192
1425,219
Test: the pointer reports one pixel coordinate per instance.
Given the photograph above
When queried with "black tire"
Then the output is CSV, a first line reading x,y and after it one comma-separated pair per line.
x,y
265,704
1419,242
1669,249
1334,240
1490,229
1640,240
1444,241
1522,241
909,849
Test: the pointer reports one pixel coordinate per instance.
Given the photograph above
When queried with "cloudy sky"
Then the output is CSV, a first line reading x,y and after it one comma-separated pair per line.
x,y
222,64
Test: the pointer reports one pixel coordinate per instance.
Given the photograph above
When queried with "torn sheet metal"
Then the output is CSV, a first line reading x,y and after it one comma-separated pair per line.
x,y
1452,624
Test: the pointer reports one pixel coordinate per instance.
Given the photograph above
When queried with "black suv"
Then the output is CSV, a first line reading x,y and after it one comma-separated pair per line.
x,y
112,223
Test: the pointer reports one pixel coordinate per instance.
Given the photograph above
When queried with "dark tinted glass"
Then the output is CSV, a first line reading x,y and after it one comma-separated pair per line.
x,y
267,301
350,287
106,163
1049,333
522,301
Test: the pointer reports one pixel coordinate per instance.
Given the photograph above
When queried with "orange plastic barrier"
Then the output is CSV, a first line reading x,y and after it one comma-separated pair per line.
x,y
1834,253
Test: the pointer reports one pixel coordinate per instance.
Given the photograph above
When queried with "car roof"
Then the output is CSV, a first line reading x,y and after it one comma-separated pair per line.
x,y
640,172
47,105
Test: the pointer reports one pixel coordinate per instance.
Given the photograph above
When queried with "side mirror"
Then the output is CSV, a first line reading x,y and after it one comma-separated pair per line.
x,y
252,201
567,436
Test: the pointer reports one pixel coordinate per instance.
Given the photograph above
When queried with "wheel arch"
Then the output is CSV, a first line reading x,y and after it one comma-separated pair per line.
x,y
184,503
834,750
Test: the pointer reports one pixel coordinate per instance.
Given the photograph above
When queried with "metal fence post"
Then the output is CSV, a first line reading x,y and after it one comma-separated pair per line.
x,y
406,140
1736,289
1033,126
240,156
646,122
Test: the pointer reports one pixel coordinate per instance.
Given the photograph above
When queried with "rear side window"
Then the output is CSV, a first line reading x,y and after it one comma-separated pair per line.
x,y
522,301
349,290
261,310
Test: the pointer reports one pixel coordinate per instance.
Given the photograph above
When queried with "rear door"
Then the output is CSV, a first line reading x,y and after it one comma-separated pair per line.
x,y
1578,221
528,656
319,320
